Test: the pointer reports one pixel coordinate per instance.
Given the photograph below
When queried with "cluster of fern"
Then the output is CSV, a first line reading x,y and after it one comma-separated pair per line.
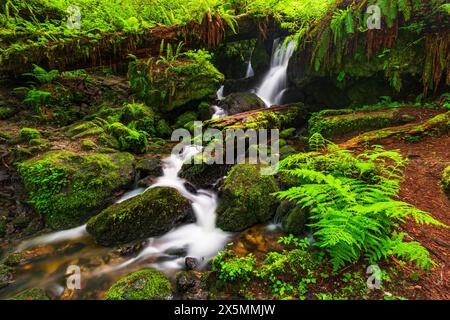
x,y
351,199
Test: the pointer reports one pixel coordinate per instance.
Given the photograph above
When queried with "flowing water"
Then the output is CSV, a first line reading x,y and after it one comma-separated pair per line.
x,y
49,255
275,81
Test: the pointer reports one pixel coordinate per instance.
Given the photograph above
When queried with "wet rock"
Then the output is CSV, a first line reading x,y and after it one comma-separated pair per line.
x,y
241,102
178,252
150,214
191,263
203,175
147,284
245,198
131,249
150,167
192,285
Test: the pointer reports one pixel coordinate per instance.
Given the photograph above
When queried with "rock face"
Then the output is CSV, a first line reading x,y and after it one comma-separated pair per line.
x,y
66,188
147,284
241,102
203,175
245,198
152,213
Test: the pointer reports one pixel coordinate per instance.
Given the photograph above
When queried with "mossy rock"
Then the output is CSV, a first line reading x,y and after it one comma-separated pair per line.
x,y
147,284
295,221
66,188
185,118
86,129
241,102
88,144
332,123
246,198
6,113
446,181
31,294
192,78
6,275
150,167
129,139
150,214
28,134
139,117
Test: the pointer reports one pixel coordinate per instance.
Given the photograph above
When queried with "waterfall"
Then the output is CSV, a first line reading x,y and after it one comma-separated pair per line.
x,y
275,81
249,73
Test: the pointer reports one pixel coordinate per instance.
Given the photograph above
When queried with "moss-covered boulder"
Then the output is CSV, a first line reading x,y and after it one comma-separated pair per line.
x,y
245,198
147,284
129,139
331,123
201,174
446,180
31,294
171,84
241,102
66,188
6,112
28,134
150,214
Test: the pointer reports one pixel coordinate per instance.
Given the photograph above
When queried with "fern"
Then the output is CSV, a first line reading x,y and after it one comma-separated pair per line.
x,y
350,198
42,75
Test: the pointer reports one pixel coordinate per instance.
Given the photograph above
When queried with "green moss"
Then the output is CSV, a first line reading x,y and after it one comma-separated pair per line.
x,y
333,125
257,120
6,275
14,259
31,294
66,187
185,118
129,139
287,133
152,213
88,144
245,199
446,180
6,136
139,117
175,83
6,112
147,284
295,220
28,134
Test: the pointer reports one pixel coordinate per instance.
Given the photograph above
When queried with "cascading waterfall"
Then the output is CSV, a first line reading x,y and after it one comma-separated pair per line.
x,y
249,73
275,81
201,240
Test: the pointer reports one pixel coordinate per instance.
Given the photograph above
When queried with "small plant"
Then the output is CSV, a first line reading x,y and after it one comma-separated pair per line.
x,y
42,75
231,268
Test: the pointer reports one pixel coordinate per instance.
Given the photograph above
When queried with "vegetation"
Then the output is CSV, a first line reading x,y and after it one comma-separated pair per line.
x,y
147,284
91,92
351,200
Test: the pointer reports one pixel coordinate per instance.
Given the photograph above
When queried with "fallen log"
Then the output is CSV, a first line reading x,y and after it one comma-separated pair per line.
x,y
113,48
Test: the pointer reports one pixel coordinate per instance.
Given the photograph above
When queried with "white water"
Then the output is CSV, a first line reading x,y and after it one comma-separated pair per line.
x,y
201,239
275,81
220,93
249,73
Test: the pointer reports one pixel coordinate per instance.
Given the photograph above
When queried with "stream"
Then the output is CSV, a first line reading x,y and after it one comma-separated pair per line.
x,y
48,256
